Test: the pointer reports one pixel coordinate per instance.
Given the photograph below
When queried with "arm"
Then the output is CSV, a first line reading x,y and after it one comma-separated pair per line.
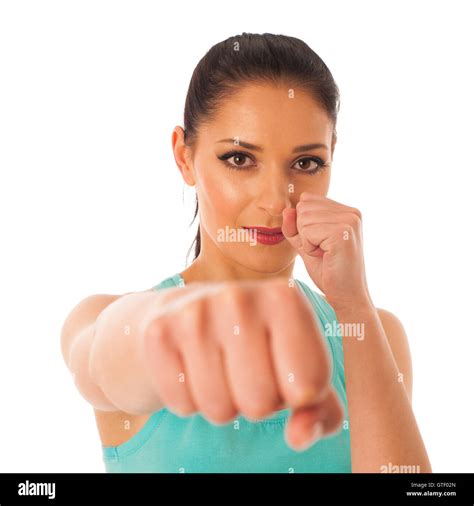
x,y
76,339
399,347
101,343
384,432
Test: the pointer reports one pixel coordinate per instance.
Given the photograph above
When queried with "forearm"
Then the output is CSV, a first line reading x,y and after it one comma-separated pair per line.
x,y
383,427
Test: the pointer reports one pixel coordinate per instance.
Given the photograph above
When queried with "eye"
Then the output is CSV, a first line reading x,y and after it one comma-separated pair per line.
x,y
304,166
238,157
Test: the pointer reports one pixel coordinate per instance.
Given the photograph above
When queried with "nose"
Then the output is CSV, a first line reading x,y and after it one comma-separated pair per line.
x,y
275,191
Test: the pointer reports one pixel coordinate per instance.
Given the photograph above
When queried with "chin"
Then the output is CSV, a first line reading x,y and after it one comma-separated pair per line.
x,y
264,262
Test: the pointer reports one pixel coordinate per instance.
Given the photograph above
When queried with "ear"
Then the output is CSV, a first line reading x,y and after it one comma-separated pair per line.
x,y
182,156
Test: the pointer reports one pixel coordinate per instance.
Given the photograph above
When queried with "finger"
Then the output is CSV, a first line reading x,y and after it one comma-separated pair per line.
x,y
323,216
323,235
289,222
289,228
299,432
326,201
313,237
319,201
166,369
204,364
300,355
247,355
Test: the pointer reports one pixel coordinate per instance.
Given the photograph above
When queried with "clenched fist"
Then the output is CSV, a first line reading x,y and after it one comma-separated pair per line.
x,y
244,347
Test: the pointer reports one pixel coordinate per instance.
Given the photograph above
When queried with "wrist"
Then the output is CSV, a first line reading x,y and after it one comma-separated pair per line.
x,y
353,306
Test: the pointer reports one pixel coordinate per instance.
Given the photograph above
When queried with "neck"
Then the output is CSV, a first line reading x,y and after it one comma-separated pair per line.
x,y
212,265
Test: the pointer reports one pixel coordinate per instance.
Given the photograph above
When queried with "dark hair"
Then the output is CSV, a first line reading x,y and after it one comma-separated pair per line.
x,y
248,58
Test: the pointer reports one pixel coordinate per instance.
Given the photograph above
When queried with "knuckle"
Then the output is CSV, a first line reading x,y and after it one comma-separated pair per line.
x,y
156,331
191,319
300,206
281,296
235,295
279,290
308,393
295,301
301,395
190,312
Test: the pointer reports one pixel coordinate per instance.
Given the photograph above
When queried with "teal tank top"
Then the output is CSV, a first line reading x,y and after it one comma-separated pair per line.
x,y
168,443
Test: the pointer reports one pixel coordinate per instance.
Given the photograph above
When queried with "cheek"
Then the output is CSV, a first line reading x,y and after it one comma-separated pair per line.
x,y
317,184
221,196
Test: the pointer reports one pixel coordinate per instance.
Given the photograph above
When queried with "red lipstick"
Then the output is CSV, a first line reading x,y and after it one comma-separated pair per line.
x,y
267,236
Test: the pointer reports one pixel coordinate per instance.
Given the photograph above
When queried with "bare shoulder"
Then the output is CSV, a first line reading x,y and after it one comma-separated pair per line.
x,y
399,345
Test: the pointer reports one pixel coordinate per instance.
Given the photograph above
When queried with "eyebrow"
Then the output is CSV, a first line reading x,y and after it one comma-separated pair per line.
x,y
298,149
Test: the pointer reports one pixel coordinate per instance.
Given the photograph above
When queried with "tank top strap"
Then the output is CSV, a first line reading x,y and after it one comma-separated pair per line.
x,y
329,326
171,281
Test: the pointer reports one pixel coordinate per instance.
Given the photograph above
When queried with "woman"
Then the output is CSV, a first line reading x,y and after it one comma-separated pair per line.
x,y
231,365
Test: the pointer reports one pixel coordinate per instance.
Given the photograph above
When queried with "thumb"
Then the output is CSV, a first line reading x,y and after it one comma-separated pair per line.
x,y
289,228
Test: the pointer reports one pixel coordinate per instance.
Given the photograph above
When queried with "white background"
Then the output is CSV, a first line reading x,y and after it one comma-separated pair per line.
x,y
92,202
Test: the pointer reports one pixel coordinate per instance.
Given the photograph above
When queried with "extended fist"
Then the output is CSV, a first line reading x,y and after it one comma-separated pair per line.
x,y
248,347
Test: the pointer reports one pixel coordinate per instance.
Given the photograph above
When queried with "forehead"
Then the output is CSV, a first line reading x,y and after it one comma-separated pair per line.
x,y
269,114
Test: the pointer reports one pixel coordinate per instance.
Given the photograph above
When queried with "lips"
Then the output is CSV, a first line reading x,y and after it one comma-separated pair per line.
x,y
265,230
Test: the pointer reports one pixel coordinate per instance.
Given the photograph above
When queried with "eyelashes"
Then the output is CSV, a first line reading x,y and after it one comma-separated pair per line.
x,y
241,154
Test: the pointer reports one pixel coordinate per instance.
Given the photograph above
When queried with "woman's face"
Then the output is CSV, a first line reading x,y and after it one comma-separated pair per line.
x,y
238,185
